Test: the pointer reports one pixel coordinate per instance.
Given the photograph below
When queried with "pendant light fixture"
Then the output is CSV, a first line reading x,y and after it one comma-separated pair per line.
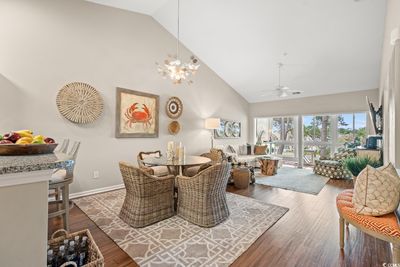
x,y
174,68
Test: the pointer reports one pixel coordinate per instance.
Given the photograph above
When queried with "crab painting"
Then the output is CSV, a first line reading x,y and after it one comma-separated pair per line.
x,y
136,115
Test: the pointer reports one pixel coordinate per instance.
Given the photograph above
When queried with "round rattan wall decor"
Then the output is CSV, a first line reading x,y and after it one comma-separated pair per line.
x,y
174,107
174,127
79,102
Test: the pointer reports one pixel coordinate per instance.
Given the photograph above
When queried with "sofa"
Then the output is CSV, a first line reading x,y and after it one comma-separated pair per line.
x,y
237,154
332,167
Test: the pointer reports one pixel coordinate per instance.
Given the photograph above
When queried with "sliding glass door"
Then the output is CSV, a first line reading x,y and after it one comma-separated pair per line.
x,y
280,136
321,135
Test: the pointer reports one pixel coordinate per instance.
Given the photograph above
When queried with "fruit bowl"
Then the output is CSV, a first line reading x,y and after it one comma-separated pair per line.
x,y
27,149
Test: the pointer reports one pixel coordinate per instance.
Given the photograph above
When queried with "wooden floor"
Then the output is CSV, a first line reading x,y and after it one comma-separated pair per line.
x,y
307,235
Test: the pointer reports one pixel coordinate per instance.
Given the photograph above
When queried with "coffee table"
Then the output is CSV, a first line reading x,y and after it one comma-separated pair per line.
x,y
269,165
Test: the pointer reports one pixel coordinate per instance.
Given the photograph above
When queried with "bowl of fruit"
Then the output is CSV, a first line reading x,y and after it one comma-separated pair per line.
x,y
24,142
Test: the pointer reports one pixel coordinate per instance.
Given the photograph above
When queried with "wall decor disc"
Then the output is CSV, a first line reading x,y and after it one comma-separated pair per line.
x,y
174,107
174,127
79,102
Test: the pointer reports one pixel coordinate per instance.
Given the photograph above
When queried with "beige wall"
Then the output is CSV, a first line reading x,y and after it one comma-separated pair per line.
x,y
390,93
335,103
46,44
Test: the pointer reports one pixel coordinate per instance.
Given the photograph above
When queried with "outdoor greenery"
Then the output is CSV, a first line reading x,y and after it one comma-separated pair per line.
x,y
356,164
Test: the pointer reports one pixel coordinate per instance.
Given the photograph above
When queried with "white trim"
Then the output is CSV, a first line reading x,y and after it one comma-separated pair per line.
x,y
96,191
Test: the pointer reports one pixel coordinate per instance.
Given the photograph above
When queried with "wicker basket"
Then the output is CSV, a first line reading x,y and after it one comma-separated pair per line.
x,y
95,258
241,177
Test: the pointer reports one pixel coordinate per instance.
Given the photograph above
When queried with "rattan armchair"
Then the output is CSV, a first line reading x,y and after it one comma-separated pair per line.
x,y
149,199
202,198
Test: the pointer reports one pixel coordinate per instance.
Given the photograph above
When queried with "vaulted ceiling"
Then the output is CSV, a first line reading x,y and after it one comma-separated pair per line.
x,y
326,46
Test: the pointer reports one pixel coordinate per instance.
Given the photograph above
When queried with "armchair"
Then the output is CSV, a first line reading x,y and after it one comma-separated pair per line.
x,y
148,199
333,167
202,198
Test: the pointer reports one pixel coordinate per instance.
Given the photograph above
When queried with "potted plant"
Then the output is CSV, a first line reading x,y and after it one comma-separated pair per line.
x,y
356,164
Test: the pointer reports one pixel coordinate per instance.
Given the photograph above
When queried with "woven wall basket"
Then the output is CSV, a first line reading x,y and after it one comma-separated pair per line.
x,y
79,103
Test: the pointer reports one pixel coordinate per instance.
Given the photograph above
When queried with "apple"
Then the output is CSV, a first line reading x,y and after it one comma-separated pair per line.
x,y
13,137
5,142
49,140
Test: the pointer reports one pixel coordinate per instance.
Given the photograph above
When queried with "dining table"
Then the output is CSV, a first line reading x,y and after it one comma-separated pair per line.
x,y
176,166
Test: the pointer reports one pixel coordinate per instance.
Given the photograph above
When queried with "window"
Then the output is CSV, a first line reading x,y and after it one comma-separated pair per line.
x,y
317,128
280,135
323,134
352,129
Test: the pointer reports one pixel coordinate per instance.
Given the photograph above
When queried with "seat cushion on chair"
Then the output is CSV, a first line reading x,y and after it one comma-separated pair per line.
x,y
376,192
58,176
191,171
327,162
160,170
384,225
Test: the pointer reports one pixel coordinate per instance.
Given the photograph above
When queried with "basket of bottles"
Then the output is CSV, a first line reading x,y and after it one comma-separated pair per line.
x,y
73,249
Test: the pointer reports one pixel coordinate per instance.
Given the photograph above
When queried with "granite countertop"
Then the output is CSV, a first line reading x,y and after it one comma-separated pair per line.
x,y
18,164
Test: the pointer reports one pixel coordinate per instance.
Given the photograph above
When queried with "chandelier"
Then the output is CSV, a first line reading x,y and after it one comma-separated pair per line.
x,y
174,68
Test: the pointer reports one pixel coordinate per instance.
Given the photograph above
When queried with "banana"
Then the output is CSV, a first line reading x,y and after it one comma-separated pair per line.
x,y
25,133
24,141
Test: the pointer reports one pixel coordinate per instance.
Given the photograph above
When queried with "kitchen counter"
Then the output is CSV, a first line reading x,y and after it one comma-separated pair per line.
x,y
24,189
17,164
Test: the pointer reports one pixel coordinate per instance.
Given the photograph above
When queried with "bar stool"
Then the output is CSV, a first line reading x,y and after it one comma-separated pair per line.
x,y
60,181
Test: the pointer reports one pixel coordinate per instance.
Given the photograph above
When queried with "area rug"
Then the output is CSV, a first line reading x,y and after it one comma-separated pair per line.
x,y
299,180
176,242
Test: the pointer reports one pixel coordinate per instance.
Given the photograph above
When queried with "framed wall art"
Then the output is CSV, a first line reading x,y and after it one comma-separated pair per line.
x,y
137,114
228,129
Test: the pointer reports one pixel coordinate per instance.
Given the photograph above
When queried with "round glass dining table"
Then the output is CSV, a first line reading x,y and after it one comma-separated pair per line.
x,y
176,166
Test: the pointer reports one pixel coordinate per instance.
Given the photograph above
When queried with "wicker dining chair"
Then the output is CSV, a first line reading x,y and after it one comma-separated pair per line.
x,y
154,170
149,199
60,181
202,198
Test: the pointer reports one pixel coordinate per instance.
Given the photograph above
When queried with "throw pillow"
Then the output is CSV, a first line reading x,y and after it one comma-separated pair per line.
x,y
231,149
260,150
389,169
376,192
243,150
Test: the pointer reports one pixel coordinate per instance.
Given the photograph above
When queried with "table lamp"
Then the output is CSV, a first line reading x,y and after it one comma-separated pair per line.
x,y
212,124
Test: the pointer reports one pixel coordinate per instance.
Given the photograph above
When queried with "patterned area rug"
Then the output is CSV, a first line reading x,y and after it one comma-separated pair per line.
x,y
176,242
299,180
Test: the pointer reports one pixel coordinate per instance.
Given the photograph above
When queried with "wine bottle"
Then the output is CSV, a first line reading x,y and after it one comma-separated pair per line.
x,y
83,251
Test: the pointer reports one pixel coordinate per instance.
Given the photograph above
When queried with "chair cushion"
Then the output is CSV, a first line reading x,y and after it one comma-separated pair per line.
x,y
386,225
204,167
376,192
160,170
150,155
58,176
191,171
328,162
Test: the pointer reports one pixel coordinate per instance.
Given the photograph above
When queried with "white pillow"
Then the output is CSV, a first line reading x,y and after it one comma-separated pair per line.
x,y
376,192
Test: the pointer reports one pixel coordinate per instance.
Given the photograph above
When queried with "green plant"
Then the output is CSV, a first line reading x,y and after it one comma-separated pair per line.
x,y
356,164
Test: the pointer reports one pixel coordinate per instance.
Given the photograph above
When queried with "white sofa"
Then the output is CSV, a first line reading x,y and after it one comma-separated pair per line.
x,y
235,152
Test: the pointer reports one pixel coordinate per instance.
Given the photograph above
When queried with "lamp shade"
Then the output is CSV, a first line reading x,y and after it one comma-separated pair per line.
x,y
212,123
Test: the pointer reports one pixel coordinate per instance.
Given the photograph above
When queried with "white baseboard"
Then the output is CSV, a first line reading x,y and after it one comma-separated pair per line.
x,y
96,191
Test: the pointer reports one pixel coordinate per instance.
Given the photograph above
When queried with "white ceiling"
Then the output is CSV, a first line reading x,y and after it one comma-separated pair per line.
x,y
332,46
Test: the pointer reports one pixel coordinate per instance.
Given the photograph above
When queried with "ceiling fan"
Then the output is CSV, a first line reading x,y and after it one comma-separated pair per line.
x,y
280,90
